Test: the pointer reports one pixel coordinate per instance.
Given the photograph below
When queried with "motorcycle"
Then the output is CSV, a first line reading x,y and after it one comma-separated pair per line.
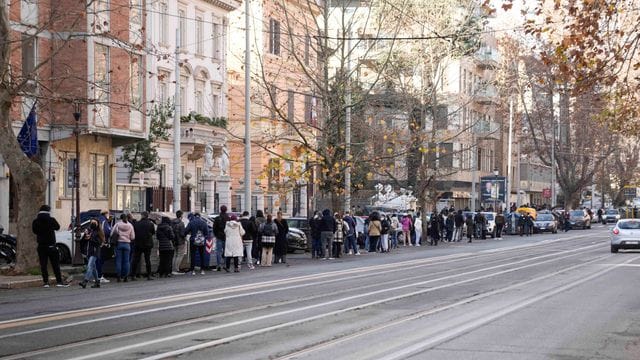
x,y
7,248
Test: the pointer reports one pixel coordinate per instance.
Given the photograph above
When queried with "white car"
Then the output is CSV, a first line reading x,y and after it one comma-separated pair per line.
x,y
625,235
491,223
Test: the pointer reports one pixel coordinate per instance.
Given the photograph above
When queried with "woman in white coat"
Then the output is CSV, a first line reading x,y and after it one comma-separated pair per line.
x,y
233,247
418,226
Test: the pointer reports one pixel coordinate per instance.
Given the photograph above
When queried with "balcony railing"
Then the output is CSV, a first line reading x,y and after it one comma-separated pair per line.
x,y
486,95
487,58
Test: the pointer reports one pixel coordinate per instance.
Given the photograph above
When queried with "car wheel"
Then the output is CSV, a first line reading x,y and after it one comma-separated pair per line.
x,y
64,254
614,249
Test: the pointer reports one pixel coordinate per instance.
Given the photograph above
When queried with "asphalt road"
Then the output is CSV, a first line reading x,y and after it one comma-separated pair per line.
x,y
561,296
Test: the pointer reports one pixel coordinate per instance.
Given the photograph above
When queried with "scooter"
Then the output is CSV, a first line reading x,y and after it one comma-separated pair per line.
x,y
7,248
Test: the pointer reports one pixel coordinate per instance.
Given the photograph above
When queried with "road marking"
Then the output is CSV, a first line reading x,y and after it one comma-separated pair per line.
x,y
320,305
442,337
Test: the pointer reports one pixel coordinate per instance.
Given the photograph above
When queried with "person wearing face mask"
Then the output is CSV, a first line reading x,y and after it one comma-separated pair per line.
x,y
92,242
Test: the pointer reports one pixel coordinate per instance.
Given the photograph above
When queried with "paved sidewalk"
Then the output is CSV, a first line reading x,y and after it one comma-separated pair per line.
x,y
28,281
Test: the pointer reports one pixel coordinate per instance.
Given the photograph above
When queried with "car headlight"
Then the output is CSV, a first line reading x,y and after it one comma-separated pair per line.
x,y
618,217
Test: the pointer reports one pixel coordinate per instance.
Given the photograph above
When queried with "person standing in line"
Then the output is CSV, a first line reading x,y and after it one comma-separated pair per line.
x,y
105,251
418,229
250,234
281,247
406,230
327,228
91,244
257,245
500,221
339,235
267,232
233,246
219,224
45,227
166,240
435,228
144,229
384,233
394,230
449,225
375,230
316,252
198,232
352,241
458,222
179,243
126,234
470,227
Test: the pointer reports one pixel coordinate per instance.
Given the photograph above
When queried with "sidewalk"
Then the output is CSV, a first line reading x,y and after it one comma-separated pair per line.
x,y
29,281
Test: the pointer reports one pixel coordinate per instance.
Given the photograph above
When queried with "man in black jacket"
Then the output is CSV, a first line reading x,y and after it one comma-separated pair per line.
x,y
326,228
144,229
45,226
219,223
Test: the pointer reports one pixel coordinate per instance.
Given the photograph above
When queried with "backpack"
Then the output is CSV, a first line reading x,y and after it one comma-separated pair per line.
x,y
385,226
199,239
267,229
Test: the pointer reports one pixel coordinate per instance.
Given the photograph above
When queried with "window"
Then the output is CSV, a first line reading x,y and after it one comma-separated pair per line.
x,y
308,108
291,106
273,101
183,28
66,177
216,39
102,85
135,22
274,171
446,155
164,23
307,47
184,80
199,95
29,59
136,79
163,86
236,203
440,117
215,101
29,12
274,37
98,177
101,16
199,35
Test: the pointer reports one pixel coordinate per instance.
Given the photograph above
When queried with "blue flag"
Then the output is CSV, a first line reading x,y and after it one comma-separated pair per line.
x,y
28,136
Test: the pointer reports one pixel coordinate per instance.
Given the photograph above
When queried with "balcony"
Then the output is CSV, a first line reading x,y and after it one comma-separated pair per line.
x,y
486,95
487,58
195,137
488,130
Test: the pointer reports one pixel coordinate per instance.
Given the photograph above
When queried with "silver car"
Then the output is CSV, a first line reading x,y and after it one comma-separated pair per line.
x,y
625,235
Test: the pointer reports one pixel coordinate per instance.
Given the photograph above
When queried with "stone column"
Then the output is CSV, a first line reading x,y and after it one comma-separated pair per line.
x,y
223,185
209,187
259,194
303,200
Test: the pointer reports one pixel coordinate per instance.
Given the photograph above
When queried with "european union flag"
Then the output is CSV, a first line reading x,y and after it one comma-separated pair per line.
x,y
28,136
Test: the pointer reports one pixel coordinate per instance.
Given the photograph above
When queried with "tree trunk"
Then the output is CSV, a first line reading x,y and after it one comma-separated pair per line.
x,y
29,180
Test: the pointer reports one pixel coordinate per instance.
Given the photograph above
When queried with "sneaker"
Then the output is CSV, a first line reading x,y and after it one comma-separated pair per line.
x,y
63,285
104,281
201,272
218,268
193,273
350,252
417,244
176,273
331,258
357,253
251,267
45,285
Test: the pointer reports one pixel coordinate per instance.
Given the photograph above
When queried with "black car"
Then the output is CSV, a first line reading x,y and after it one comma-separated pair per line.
x,y
545,222
300,223
296,240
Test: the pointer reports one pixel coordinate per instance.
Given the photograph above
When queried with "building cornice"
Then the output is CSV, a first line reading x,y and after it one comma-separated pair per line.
x,y
228,5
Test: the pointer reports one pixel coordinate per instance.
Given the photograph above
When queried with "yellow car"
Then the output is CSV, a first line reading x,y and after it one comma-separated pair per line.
x,y
531,211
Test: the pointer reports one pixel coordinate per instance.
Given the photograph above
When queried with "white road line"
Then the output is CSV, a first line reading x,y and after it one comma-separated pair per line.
x,y
320,305
434,311
456,332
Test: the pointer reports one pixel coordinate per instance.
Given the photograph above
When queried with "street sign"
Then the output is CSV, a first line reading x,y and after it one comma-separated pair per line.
x,y
546,193
71,174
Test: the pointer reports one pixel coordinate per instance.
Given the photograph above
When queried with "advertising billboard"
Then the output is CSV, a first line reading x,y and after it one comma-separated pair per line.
x,y
493,189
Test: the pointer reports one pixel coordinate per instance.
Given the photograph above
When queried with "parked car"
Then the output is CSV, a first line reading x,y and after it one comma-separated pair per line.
x,y
301,223
64,241
296,240
545,222
491,223
611,216
579,218
625,235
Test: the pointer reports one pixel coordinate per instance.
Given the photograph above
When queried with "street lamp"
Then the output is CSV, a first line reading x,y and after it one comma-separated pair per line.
x,y
495,187
77,255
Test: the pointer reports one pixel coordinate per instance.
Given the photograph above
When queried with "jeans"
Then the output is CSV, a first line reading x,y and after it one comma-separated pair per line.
x,y
326,240
457,233
248,248
394,239
46,254
366,242
352,244
181,250
200,250
220,252
316,248
123,252
92,271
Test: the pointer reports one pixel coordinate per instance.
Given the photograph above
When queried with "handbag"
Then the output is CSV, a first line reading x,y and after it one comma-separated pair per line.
x,y
113,238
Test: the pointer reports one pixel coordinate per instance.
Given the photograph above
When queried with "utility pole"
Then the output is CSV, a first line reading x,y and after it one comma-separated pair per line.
x,y
77,255
247,110
176,129
347,131
509,152
474,170
555,115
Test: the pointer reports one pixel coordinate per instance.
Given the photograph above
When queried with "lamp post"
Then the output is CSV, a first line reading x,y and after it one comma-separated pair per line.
x,y
77,256
495,184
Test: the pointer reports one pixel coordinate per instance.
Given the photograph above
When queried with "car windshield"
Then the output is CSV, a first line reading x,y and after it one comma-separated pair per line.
x,y
489,217
545,217
612,212
577,213
292,223
629,225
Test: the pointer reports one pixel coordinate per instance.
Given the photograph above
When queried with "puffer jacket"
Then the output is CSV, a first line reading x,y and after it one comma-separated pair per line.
x,y
165,235
233,232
